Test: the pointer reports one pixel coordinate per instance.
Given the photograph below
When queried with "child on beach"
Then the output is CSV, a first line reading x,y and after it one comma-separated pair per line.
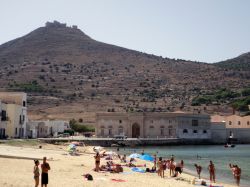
x,y
236,173
45,168
211,170
198,169
36,173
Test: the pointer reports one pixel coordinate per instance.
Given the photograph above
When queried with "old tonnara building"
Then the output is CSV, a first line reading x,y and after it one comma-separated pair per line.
x,y
153,125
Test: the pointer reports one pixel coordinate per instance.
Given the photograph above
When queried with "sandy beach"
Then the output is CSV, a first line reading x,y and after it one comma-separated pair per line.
x,y
67,170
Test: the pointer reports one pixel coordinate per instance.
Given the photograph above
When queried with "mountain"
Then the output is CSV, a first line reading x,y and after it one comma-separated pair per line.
x,y
67,74
241,62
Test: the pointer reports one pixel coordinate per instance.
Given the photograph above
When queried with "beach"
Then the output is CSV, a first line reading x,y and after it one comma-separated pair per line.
x,y
67,170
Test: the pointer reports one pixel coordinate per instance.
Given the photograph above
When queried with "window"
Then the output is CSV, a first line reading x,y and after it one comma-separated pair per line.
x,y
120,121
4,115
152,121
238,122
195,131
151,127
162,130
110,130
230,123
185,131
195,122
120,130
102,130
16,131
248,123
20,119
24,104
204,131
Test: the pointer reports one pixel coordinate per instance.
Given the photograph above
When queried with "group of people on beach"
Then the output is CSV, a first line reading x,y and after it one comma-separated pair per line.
x,y
161,165
45,167
236,171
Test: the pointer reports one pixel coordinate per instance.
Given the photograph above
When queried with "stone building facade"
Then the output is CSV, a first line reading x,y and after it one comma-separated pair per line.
x,y
153,125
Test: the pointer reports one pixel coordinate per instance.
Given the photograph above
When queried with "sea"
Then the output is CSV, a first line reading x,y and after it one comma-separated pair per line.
x,y
202,154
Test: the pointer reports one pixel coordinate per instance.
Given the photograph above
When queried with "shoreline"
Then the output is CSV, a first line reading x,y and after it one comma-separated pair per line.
x,y
71,169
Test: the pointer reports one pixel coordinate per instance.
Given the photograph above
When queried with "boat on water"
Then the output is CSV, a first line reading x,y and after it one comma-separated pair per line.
x,y
229,145
230,140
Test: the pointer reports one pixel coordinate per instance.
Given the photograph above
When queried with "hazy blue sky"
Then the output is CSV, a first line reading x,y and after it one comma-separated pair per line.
x,y
203,30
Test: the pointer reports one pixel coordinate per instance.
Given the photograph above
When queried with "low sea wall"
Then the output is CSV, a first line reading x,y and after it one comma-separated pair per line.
x,y
108,142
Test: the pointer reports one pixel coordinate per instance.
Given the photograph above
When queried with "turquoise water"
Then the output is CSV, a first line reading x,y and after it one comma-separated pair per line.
x,y
218,154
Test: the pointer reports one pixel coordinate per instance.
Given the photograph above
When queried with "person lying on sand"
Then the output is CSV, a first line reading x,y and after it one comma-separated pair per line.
x,y
236,170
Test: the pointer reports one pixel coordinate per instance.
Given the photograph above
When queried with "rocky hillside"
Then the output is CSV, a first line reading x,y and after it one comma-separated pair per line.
x,y
241,62
67,74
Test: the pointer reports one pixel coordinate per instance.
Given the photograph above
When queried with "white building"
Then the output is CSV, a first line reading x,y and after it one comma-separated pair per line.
x,y
13,109
43,129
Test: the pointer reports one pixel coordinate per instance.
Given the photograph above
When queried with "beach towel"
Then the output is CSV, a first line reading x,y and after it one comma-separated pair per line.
x,y
138,170
118,180
127,172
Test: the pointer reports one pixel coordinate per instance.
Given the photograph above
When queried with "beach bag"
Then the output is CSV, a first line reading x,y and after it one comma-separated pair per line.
x,y
89,177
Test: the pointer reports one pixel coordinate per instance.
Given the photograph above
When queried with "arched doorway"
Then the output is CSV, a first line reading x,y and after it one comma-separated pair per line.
x,y
135,130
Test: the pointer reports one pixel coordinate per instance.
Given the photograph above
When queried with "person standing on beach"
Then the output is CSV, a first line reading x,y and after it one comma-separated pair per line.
x,y
45,168
198,169
155,160
171,166
211,170
160,167
36,173
236,173
97,162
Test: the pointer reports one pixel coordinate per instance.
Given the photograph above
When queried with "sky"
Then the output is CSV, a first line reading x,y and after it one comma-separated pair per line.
x,y
199,30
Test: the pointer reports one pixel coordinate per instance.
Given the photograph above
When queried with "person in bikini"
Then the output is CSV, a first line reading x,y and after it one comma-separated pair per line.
x,y
160,167
211,170
236,173
97,162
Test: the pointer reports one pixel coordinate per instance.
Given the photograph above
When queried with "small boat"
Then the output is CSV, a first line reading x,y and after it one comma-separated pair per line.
x,y
229,145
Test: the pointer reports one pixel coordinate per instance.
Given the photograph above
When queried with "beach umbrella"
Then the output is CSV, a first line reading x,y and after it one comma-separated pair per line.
x,y
97,149
134,155
146,157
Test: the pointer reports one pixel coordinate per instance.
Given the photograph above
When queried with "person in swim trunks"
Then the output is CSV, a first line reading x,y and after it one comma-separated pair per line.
x,y
45,169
